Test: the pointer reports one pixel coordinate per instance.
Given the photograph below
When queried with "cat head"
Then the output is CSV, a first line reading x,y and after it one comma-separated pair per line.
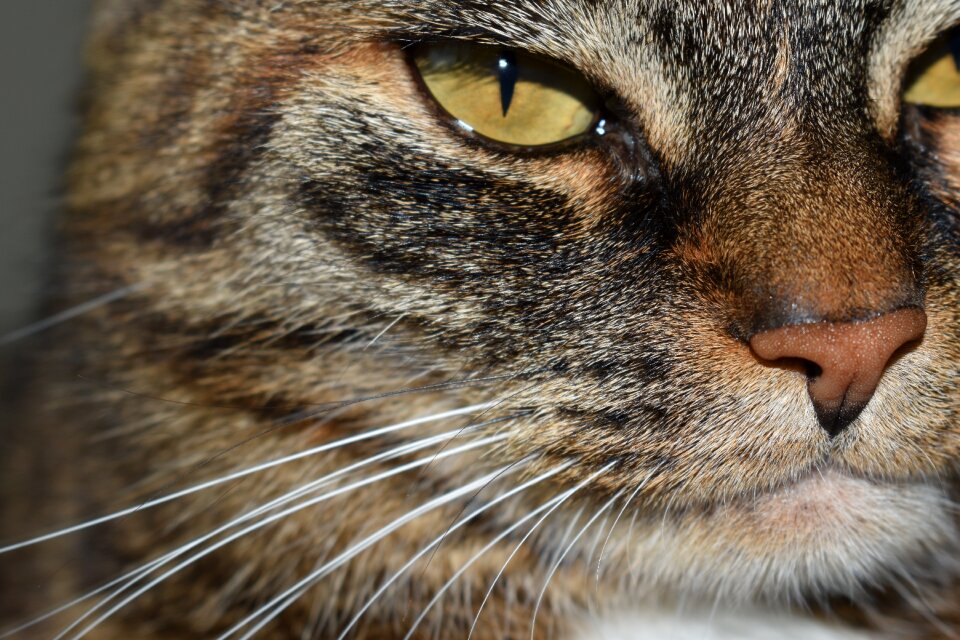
x,y
732,294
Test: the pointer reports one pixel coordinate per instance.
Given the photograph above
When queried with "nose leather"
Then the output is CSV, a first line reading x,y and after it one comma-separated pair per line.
x,y
849,358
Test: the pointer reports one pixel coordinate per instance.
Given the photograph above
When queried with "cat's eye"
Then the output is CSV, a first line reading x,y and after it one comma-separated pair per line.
x,y
934,78
506,95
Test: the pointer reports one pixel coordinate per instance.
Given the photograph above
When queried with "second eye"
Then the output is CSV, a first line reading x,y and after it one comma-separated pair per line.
x,y
933,79
506,95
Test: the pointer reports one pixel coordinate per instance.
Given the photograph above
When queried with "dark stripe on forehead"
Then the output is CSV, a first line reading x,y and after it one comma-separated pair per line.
x,y
735,61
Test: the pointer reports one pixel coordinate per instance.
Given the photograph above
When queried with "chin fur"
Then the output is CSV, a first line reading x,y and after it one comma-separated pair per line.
x,y
826,536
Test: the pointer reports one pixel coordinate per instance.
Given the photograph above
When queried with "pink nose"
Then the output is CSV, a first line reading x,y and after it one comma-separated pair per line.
x,y
849,359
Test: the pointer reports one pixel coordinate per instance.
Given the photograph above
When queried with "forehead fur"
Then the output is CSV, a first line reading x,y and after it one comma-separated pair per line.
x,y
693,74
679,65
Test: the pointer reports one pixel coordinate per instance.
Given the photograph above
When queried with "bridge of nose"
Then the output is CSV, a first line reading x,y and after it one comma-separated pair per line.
x,y
819,261
811,240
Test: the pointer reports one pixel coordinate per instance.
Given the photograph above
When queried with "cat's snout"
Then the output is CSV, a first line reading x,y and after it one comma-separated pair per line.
x,y
845,359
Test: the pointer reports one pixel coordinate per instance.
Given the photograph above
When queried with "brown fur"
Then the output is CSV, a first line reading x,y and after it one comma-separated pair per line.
x,y
314,251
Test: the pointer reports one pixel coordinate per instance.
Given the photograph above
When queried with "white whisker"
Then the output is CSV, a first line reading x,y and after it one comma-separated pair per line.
x,y
503,567
623,509
559,561
556,565
136,574
562,497
574,521
69,314
281,602
244,473
385,330
266,521
439,539
77,601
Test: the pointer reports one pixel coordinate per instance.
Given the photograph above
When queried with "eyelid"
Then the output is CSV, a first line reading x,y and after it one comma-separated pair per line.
x,y
554,105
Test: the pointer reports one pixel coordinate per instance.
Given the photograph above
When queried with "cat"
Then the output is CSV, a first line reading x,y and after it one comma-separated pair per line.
x,y
528,319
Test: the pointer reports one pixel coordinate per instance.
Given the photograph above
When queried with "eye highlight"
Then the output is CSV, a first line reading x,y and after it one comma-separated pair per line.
x,y
506,95
933,79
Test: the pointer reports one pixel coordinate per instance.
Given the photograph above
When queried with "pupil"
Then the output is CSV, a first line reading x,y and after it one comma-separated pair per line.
x,y
507,75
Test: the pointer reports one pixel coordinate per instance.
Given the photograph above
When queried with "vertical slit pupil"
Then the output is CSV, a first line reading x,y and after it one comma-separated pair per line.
x,y
507,73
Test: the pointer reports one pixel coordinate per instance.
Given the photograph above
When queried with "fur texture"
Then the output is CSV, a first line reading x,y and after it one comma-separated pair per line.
x,y
307,250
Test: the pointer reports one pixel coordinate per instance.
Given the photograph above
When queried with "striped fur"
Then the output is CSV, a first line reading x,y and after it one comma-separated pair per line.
x,y
314,252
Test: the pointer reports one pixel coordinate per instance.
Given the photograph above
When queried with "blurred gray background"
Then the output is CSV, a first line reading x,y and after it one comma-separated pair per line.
x,y
40,59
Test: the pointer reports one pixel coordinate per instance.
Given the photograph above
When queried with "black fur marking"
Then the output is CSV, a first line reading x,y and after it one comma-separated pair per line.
x,y
429,220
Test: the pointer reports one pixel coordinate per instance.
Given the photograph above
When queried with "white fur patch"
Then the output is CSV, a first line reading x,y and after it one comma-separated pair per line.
x,y
655,624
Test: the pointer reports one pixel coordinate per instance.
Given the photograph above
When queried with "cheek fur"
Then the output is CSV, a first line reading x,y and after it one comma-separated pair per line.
x,y
457,370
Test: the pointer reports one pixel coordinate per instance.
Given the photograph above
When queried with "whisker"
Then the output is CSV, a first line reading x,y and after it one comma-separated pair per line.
x,y
69,314
623,509
503,567
300,414
556,565
439,539
266,521
384,332
77,601
574,521
562,497
499,402
135,575
281,602
241,474
315,408
466,505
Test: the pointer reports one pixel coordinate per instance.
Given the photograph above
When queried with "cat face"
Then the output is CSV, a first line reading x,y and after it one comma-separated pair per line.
x,y
756,172
749,178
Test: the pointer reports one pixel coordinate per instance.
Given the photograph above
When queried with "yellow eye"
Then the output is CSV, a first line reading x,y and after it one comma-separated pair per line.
x,y
506,95
934,78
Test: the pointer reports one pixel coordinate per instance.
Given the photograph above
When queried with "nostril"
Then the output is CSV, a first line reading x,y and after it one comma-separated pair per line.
x,y
812,369
844,361
807,368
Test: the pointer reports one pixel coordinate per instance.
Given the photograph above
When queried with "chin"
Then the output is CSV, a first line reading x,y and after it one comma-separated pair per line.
x,y
826,535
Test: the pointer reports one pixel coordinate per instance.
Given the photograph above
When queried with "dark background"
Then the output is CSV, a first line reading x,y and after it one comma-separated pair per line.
x,y
42,69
